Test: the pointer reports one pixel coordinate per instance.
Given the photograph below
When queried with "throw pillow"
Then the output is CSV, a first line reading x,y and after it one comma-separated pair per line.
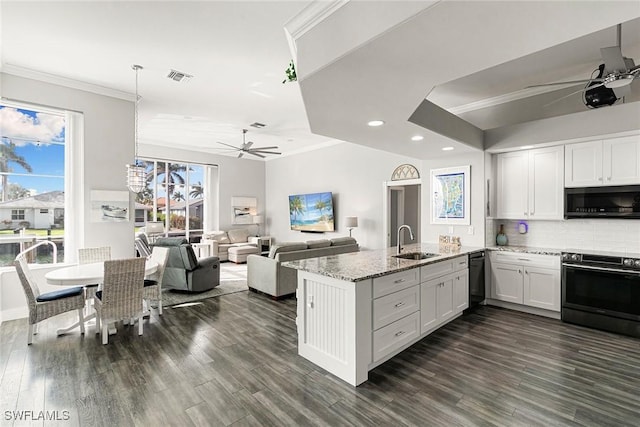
x,y
286,247
320,243
340,241
239,235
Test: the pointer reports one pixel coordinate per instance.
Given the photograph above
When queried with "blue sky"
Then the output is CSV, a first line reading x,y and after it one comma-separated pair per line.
x,y
38,138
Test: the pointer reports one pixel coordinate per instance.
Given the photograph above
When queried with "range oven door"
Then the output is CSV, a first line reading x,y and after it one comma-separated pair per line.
x,y
606,291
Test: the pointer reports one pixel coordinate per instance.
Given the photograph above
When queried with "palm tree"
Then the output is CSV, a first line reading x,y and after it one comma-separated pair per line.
x,y
177,196
196,191
8,155
174,174
321,206
295,206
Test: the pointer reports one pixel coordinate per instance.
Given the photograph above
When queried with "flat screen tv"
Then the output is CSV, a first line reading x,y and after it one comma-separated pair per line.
x,y
311,212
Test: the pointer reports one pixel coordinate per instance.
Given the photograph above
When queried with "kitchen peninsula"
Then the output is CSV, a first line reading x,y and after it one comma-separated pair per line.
x,y
357,310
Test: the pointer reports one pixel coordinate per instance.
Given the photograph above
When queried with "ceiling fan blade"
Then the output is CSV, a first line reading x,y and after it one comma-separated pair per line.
x,y
241,154
573,93
263,152
566,83
274,147
253,153
235,148
613,60
247,145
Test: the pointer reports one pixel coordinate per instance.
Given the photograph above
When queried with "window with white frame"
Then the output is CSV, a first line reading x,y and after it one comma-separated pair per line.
x,y
32,172
175,193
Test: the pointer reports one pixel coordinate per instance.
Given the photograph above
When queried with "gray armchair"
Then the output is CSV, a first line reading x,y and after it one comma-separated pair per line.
x,y
184,271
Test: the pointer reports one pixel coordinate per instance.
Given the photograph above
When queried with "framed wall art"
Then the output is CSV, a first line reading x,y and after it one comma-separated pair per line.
x,y
450,194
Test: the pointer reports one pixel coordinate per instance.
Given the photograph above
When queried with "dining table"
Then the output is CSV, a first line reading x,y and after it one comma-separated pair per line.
x,y
85,274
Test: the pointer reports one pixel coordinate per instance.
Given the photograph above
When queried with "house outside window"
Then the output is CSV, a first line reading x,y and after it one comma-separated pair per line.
x,y
32,173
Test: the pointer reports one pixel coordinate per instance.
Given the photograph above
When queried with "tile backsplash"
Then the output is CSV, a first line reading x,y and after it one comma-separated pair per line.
x,y
601,234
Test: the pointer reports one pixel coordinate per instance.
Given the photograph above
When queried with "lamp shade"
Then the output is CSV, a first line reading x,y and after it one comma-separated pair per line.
x,y
154,227
351,222
257,219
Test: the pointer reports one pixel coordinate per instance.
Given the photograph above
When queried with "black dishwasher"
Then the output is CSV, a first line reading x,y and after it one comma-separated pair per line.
x,y
476,279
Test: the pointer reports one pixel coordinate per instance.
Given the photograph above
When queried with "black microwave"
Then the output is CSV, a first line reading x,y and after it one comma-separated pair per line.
x,y
602,202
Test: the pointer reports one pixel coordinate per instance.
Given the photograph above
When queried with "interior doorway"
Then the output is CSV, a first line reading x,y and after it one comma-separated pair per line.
x,y
402,205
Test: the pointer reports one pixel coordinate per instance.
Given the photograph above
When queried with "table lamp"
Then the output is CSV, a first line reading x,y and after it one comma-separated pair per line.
x,y
351,222
257,219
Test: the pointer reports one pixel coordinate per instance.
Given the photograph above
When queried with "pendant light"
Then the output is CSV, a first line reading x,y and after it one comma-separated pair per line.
x,y
136,173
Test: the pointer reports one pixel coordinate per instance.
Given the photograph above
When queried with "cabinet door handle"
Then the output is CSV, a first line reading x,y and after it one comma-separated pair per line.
x,y
519,271
524,259
600,179
399,280
462,263
531,213
400,304
526,272
441,284
608,178
400,333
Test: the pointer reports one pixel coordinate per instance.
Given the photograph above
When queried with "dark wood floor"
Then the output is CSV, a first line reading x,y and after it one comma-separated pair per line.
x,y
232,360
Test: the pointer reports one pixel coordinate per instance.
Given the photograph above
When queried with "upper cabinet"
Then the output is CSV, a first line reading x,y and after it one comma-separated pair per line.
x,y
529,184
609,162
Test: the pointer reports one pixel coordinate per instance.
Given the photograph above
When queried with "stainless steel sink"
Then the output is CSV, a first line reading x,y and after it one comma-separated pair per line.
x,y
415,255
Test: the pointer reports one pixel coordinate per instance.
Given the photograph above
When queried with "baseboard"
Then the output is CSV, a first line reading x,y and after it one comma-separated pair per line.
x,y
524,308
14,313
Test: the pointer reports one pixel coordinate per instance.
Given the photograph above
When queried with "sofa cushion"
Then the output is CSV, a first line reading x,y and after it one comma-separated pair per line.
x,y
218,236
340,241
320,243
286,247
238,235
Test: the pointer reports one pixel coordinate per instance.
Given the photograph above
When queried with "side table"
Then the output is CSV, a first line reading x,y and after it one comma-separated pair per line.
x,y
263,243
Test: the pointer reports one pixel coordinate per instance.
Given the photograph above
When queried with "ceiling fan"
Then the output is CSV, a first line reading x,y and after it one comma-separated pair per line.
x,y
612,82
246,148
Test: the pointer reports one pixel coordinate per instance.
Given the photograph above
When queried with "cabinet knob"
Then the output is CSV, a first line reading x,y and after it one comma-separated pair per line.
x,y
608,178
600,179
400,304
519,271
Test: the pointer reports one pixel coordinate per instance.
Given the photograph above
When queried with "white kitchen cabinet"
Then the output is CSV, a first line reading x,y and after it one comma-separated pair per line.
x,y
530,184
541,288
529,279
609,162
443,297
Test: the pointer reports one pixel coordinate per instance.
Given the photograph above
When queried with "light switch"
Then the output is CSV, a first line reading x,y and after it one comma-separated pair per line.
x,y
451,229
470,230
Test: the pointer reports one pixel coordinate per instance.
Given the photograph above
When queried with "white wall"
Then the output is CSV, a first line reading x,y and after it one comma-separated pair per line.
x,y
355,174
430,232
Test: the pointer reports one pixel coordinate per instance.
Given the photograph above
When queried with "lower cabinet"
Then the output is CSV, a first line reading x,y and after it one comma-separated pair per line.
x,y
528,279
442,298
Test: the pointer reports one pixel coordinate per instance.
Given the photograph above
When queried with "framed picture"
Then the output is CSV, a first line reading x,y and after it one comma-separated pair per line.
x,y
244,208
450,194
109,206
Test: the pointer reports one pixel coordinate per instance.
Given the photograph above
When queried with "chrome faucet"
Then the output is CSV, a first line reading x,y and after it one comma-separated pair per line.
x,y
398,239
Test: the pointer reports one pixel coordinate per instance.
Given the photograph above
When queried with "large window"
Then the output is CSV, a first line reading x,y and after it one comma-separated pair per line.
x,y
175,196
32,169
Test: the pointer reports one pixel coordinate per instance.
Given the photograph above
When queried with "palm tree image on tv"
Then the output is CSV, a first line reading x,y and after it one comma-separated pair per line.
x,y
311,212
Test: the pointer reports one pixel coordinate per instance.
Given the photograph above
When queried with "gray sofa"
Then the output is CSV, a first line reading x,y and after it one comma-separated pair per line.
x,y
266,274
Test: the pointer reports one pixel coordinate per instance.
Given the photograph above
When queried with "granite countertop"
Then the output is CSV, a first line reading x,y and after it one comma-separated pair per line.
x,y
357,266
526,249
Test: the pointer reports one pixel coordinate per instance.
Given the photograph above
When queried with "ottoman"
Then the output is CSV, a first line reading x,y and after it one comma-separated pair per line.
x,y
238,254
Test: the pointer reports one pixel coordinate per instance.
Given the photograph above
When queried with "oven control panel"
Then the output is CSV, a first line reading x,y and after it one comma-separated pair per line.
x,y
601,261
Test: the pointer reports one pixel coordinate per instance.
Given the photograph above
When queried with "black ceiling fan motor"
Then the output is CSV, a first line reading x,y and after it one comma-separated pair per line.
x,y
601,96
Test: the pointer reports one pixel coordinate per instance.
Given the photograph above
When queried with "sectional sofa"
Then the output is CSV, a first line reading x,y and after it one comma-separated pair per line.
x,y
266,274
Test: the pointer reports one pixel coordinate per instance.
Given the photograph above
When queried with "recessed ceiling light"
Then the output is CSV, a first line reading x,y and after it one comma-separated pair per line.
x,y
375,123
447,148
417,138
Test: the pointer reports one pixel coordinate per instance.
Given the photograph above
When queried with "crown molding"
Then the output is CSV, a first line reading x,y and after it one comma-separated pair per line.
x,y
502,99
316,12
66,82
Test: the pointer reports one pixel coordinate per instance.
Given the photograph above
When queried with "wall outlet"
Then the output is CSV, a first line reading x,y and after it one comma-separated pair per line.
x,y
470,230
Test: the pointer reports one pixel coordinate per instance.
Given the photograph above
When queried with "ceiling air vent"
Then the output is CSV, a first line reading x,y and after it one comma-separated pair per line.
x,y
257,125
179,76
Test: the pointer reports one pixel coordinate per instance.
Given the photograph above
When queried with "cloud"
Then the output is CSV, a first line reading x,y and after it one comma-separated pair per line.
x,y
23,128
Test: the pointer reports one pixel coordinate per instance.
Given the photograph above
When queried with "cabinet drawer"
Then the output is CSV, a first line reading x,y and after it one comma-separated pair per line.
x,y
386,285
525,259
397,305
395,335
